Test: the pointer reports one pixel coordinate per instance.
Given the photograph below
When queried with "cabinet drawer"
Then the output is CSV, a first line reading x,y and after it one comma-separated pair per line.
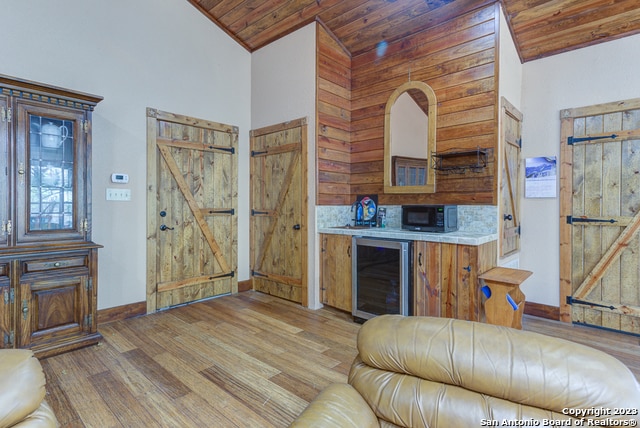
x,y
53,264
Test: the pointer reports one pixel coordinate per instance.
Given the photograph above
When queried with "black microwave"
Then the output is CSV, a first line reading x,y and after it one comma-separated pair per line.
x,y
430,218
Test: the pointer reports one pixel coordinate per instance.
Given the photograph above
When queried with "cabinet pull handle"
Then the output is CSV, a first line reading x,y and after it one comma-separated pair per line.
x,y
349,251
420,259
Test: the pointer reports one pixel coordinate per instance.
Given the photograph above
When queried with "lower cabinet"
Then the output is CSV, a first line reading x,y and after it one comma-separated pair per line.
x,y
335,271
48,300
445,282
445,276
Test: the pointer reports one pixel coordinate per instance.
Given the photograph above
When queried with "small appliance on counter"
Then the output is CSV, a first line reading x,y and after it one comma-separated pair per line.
x,y
430,218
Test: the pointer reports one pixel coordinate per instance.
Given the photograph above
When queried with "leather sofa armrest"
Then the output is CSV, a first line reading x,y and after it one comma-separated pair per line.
x,y
339,406
42,417
22,385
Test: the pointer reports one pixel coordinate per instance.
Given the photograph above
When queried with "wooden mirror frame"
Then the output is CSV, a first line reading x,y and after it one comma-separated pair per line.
x,y
430,186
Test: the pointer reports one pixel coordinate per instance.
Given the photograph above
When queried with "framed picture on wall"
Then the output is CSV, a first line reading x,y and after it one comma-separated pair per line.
x,y
540,177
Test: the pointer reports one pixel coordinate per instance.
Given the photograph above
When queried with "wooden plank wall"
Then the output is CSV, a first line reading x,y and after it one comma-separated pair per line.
x,y
333,120
458,60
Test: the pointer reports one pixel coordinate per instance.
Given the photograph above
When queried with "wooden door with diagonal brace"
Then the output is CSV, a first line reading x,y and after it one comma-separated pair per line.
x,y
191,209
278,210
600,216
510,179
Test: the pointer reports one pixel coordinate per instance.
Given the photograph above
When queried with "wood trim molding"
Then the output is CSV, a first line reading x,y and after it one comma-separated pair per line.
x,y
246,285
123,312
542,311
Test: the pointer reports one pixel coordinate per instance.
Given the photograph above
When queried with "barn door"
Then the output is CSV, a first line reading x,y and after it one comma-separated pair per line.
x,y
510,180
278,210
600,216
191,209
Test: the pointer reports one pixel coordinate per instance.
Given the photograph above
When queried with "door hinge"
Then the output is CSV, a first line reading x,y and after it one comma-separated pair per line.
x,y
572,219
518,231
84,225
85,126
9,296
571,301
89,285
572,140
8,228
519,142
88,320
9,339
6,114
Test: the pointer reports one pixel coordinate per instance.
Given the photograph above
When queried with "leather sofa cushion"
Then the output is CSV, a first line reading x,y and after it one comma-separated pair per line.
x,y
526,368
339,406
22,386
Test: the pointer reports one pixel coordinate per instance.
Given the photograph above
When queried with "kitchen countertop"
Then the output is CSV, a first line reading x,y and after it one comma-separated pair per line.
x,y
458,237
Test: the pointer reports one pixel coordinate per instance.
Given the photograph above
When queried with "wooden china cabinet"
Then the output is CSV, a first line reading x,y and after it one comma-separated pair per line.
x,y
48,263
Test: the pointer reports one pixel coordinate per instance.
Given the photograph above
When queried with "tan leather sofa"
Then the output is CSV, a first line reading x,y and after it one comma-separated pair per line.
x,y
439,372
22,391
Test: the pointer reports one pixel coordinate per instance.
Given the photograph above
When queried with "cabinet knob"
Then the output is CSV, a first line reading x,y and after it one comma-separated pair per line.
x,y
56,264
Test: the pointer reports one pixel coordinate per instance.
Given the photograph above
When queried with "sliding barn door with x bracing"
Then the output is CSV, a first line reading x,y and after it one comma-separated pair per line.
x,y
191,209
278,210
600,216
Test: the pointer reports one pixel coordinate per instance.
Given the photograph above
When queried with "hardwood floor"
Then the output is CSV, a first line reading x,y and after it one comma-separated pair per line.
x,y
248,360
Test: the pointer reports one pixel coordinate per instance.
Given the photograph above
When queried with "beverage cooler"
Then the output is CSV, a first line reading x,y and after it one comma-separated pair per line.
x,y
381,277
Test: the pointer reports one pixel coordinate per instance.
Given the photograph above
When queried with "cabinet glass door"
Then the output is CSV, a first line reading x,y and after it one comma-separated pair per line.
x,y
50,175
5,219
51,162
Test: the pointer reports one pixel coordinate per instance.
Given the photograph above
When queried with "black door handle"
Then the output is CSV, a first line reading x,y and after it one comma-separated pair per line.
x,y
507,217
296,227
164,227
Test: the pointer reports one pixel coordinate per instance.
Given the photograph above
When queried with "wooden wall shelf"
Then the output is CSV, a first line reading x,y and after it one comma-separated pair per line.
x,y
459,161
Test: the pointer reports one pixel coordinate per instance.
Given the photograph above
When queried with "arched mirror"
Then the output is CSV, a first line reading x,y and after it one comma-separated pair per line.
x,y
409,139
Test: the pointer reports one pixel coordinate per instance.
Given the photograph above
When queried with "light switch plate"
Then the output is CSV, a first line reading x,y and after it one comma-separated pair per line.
x,y
118,194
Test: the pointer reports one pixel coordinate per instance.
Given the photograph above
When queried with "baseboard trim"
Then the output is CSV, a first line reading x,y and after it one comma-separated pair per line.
x,y
542,311
131,310
123,312
245,285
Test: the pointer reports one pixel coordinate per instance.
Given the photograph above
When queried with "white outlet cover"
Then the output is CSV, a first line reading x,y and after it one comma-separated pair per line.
x,y
118,194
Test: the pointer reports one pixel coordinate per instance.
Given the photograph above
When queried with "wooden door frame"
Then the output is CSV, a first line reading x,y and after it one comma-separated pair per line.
x,y
153,116
304,221
566,205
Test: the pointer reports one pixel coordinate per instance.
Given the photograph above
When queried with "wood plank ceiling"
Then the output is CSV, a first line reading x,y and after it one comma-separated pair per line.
x,y
540,27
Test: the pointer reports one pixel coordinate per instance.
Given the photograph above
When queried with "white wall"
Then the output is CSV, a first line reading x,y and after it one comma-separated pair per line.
x,y
510,87
599,74
136,54
409,128
283,88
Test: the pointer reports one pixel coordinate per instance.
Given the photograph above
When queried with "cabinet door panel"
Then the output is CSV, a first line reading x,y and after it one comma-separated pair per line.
x,y
427,278
336,271
52,309
51,173
6,307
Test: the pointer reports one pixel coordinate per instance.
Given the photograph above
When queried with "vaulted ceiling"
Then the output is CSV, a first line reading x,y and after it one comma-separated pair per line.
x,y
540,28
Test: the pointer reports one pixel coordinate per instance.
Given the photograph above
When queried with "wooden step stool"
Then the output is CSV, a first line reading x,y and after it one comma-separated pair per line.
x,y
505,301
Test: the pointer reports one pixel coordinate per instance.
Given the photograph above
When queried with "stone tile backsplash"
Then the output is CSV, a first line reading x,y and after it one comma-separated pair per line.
x,y
471,218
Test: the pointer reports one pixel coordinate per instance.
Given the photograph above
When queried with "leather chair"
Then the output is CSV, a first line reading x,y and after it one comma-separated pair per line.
x,y
22,391
440,372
